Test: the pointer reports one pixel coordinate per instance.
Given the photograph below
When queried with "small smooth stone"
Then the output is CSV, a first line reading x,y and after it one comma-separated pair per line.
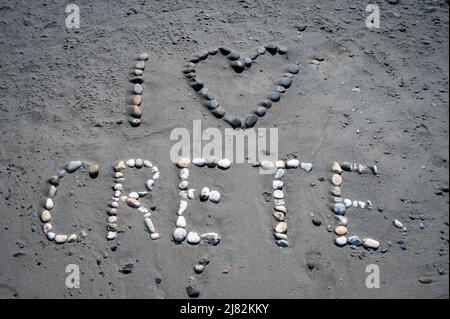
x,y
278,194
112,219
293,68
279,202
250,121
143,210
137,99
253,55
218,112
280,164
60,239
277,184
248,61
184,163
190,193
214,196
347,203
199,269
233,56
339,209
200,162
316,222
111,211
211,162
280,236
51,236
183,185
137,79
346,166
140,65
336,180
93,170
130,163
149,184
293,163
232,120
285,82
184,174
133,202
237,66
52,191
280,208
260,111
179,234
48,204
71,238
147,163
267,165
54,180
114,205
211,238
143,56
279,216
197,85
183,195
397,223
62,173
111,235
138,72
337,199
213,51
120,167
46,216
278,174
192,292
134,195
354,241
341,241
149,225
281,227
138,163
204,194
336,168
336,191
266,103
181,222
275,96
154,236
362,204
224,163
138,89
306,166
47,227
425,280
282,50
212,104
156,176
261,50
341,230
73,166
355,204
118,187
193,238
271,48
182,207
282,243
370,243
342,220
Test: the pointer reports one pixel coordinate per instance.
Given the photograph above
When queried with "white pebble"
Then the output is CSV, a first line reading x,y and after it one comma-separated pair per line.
x,y
306,166
341,240
224,163
211,238
48,204
191,194
112,219
278,194
133,195
204,194
200,162
149,224
130,163
181,222
184,163
280,164
179,234
277,184
184,174
214,196
183,206
149,184
111,235
156,176
154,236
293,163
398,224
193,238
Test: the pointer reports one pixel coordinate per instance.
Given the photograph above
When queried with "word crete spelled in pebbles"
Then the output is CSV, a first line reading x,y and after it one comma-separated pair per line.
x,y
340,205
280,211
132,199
240,63
186,193
137,78
54,181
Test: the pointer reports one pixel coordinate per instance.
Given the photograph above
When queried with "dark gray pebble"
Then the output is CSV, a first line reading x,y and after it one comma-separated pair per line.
x,y
250,121
260,111
192,291
271,48
224,51
233,56
275,96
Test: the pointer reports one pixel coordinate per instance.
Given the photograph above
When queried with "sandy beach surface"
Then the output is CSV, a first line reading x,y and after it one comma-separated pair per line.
x,y
371,96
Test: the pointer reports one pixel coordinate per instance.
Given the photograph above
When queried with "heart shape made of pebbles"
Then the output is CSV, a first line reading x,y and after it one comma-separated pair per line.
x,y
239,64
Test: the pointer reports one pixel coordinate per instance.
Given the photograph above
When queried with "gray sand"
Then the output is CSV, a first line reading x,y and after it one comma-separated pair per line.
x,y
62,92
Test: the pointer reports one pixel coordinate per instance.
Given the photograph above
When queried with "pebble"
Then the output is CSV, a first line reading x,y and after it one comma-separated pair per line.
x,y
285,82
261,50
342,220
341,241
275,96
138,89
282,50
279,216
248,61
214,196
278,174
156,176
192,292
278,194
135,122
293,163
370,243
267,165
120,167
133,202
154,236
184,174
183,185
134,195
306,166
149,225
277,184
147,163
271,48
130,163
233,56
425,280
316,222
112,219
184,163
237,66
281,227
339,209
193,238
224,163
181,222
282,243
336,180
73,166
398,224
182,207
354,241
293,68
204,194
179,234
149,184
211,238
143,56
48,204
341,230
111,235
138,163
47,227
60,239
118,187
250,121
72,238
260,111
140,65
126,269
93,170
212,104
190,193
51,236
347,203
336,191
54,180
200,162
232,120
199,268
45,216
280,164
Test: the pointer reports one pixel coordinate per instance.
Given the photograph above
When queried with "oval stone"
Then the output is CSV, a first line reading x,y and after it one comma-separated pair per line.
x,y
179,234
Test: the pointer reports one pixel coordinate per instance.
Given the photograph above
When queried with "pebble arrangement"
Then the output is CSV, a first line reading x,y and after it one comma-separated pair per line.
x,y
137,79
180,234
132,199
53,182
280,213
239,64
340,205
